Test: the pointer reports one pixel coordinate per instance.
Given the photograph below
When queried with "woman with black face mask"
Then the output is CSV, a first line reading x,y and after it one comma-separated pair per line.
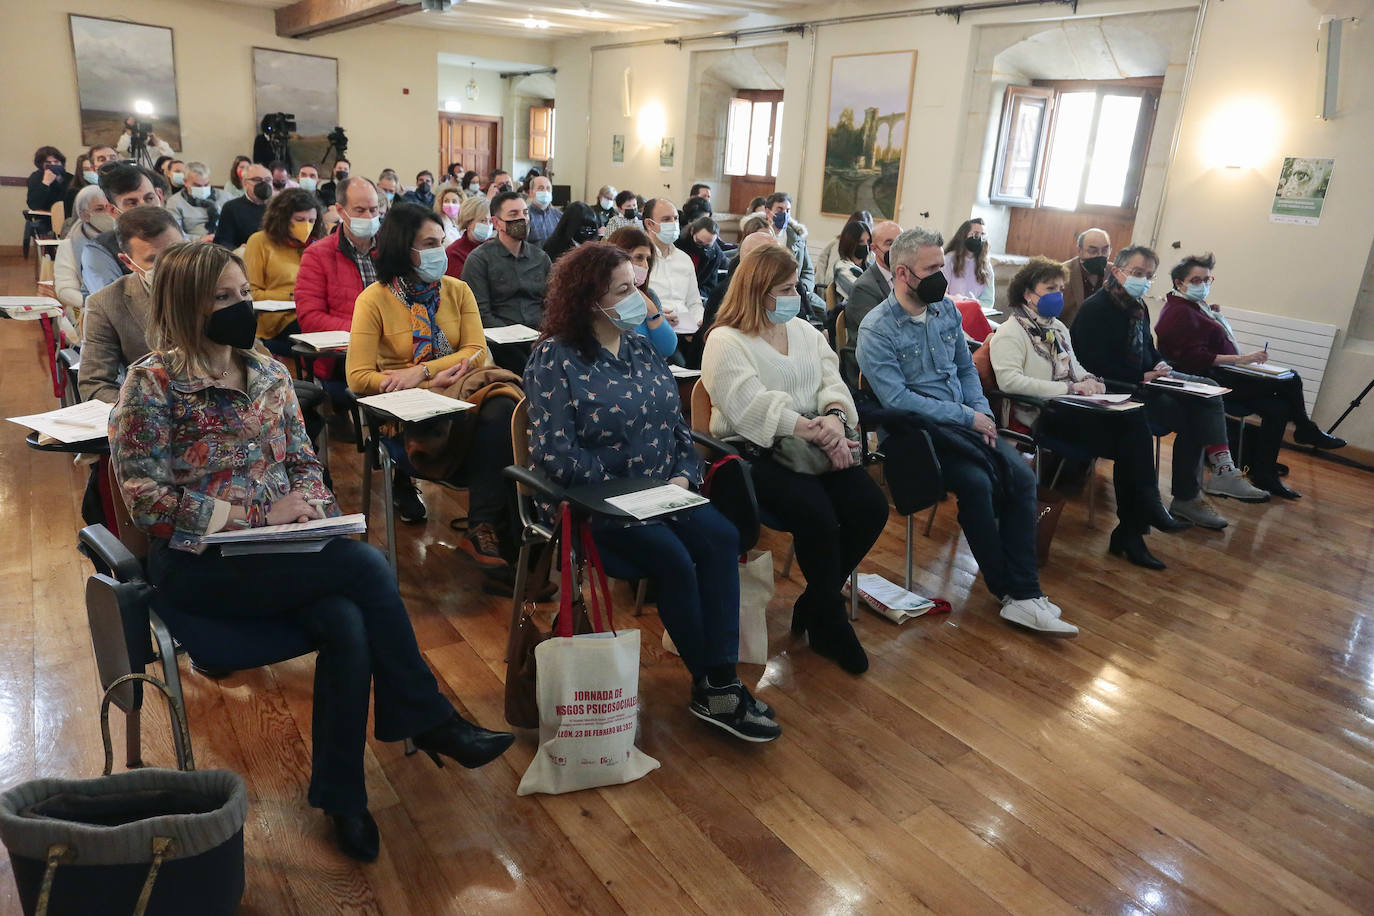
x,y
577,226
626,212
699,242
967,267
207,436
852,258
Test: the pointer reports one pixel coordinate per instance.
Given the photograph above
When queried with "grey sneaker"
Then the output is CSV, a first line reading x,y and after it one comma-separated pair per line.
x,y
1230,482
733,709
1197,511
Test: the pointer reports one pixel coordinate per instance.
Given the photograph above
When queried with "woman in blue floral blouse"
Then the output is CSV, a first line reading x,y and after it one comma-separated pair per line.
x,y
207,435
604,406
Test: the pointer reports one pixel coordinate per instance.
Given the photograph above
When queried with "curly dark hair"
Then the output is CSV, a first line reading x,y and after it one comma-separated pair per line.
x,y
276,221
1181,270
577,281
41,155
1037,270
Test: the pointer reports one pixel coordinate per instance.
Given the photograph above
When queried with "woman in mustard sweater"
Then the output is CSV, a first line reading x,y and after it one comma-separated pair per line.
x,y
273,257
417,328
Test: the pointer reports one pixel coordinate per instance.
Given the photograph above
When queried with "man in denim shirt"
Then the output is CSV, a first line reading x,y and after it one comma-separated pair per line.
x,y
912,352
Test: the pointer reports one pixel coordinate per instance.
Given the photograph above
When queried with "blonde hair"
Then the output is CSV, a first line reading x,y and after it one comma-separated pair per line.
x,y
185,277
758,272
446,189
473,209
755,222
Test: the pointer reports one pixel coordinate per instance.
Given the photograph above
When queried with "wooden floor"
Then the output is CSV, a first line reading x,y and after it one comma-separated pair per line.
x,y
1206,745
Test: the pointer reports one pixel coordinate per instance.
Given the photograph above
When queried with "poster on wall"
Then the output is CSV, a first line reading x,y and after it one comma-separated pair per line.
x,y
617,149
305,85
865,132
125,70
666,148
1302,191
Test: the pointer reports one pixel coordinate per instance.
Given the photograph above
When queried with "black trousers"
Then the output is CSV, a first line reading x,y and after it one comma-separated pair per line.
x,y
1277,402
1124,437
834,520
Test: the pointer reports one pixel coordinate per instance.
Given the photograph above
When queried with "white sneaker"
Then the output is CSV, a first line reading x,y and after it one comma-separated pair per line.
x,y
1037,614
1228,481
1053,608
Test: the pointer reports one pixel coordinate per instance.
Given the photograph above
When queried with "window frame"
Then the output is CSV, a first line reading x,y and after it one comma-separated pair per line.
x,y
754,96
1012,100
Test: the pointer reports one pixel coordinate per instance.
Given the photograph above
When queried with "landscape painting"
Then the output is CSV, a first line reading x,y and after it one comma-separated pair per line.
x,y
120,65
305,85
865,136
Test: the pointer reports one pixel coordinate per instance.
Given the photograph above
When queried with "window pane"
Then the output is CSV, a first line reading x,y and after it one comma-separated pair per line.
x,y
777,134
758,138
1069,150
737,137
1116,127
1018,173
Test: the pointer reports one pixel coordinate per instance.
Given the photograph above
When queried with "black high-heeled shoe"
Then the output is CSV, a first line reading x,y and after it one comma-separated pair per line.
x,y
1132,547
471,745
1163,520
357,836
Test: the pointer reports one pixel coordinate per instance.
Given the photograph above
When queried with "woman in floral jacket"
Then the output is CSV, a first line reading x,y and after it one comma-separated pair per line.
x,y
207,436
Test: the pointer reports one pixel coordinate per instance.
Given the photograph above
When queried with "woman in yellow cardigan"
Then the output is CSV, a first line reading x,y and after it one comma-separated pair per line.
x,y
273,258
417,328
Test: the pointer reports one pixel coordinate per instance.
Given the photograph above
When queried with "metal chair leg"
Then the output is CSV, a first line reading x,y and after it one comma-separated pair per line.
x,y
640,592
1092,493
930,522
910,527
522,574
171,676
133,738
388,508
854,595
787,564
369,459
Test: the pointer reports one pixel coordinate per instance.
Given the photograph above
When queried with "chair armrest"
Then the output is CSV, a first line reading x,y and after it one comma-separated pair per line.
x,y
537,483
718,447
1025,400
1120,386
103,548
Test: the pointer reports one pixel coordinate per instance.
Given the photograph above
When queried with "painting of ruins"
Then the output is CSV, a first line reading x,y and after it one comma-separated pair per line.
x,y
865,132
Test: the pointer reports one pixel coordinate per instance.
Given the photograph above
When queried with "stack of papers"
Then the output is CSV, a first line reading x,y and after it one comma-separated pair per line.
x,y
313,530
511,334
1266,369
657,501
686,325
1197,389
78,423
274,305
30,307
323,340
889,599
684,372
414,404
1102,401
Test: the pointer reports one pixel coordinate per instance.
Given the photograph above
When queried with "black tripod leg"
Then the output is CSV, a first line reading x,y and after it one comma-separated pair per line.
x,y
1353,404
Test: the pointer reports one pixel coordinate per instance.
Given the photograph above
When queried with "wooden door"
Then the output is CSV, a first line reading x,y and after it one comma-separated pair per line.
x,y
758,178
474,140
541,133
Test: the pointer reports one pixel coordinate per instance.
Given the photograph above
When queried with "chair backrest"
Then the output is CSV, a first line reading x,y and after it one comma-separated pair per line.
x,y
59,216
124,528
701,408
841,333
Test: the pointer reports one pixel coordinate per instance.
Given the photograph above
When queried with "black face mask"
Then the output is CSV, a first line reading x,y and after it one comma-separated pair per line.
x,y
262,190
1096,266
279,185
631,214
340,175
861,252
930,290
234,326
584,233
882,259
422,188
974,244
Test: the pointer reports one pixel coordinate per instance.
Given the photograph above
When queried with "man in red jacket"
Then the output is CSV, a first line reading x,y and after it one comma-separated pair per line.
x,y
333,272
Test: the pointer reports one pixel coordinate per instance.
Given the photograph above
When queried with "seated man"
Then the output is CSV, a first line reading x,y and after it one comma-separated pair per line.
x,y
1086,271
507,275
912,352
423,193
126,186
792,235
544,216
242,216
875,285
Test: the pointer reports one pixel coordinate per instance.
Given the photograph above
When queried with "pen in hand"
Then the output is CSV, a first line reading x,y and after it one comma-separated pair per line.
x,y
319,505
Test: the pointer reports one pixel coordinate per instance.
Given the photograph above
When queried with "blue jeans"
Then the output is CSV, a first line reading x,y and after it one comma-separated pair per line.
x,y
694,559
347,598
1000,532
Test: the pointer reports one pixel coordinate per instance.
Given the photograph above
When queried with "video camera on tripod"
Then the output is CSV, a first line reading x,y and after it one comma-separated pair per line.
x,y
140,134
338,145
277,127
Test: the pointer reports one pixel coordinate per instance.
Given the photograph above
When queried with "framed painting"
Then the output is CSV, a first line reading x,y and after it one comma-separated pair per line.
x,y
865,133
124,70
304,85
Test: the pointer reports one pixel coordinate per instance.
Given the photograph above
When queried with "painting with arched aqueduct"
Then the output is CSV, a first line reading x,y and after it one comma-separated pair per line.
x,y
865,132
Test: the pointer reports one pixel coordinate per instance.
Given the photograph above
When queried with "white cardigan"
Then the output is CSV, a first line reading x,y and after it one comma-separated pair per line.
x,y
1021,370
759,394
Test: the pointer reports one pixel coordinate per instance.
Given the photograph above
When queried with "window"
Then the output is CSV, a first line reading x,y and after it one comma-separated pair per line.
x,y
752,122
1070,145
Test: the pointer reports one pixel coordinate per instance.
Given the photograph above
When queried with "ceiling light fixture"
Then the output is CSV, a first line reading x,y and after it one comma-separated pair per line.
x,y
435,6
472,84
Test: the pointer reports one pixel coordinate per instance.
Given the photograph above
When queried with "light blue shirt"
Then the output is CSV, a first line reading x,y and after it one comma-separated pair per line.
x,y
921,366
99,268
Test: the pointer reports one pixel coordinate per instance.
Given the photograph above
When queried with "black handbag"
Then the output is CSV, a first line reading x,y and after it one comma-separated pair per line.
x,y
730,488
148,842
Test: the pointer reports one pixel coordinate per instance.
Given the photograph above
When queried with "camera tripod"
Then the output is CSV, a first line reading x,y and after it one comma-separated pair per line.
x,y
1353,404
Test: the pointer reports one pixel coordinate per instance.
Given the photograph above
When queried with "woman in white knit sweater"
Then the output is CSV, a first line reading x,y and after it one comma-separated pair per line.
x,y
1032,354
775,388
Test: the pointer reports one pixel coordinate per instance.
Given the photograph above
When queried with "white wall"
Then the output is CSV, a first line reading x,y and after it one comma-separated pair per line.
x,y
491,91
213,43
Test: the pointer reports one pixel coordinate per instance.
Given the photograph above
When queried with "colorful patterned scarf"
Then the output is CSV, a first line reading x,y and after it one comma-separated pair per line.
x,y
422,300
1045,341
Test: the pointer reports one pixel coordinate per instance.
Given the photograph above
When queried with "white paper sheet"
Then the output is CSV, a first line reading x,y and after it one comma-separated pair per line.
x,y
1269,370
511,334
415,404
78,423
686,325
1196,389
324,340
274,305
684,372
30,307
313,530
657,501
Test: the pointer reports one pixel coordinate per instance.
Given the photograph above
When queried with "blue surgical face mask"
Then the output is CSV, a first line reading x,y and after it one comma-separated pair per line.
x,y
1050,305
364,227
1136,287
780,220
543,198
481,231
390,196
668,233
433,264
785,308
90,177
178,179
629,312
1197,291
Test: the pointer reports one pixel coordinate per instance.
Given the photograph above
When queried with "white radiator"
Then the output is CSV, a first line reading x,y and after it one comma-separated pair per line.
x,y
1293,342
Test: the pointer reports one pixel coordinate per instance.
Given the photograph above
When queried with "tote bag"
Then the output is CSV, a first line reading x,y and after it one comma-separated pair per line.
x,y
755,591
587,689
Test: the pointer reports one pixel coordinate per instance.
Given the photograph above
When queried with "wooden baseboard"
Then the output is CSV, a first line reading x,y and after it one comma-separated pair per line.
x,y
14,250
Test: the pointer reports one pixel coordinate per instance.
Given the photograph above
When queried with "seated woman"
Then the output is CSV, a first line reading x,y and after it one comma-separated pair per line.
x,y
416,328
47,185
851,258
578,225
586,366
1194,336
448,203
474,222
94,214
967,267
207,436
273,258
626,212
471,184
698,242
1032,354
830,256
235,186
773,377
635,242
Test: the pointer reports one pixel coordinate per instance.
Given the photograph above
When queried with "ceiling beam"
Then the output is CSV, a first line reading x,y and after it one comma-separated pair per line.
x,y
312,18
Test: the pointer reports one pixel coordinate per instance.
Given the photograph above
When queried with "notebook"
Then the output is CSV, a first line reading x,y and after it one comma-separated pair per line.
x,y
511,334
413,404
313,530
323,340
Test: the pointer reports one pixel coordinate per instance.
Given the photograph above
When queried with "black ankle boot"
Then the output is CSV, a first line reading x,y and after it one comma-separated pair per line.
x,y
1132,546
834,638
357,836
471,745
1311,434
1162,519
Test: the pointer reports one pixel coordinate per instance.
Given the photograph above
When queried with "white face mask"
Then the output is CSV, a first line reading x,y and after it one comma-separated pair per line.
x,y
607,203
481,231
201,193
364,227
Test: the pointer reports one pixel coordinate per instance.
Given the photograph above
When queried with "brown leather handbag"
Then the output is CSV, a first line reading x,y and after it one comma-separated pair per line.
x,y
437,448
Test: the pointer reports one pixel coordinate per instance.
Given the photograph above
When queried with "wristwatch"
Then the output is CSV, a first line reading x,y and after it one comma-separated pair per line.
x,y
837,412
425,366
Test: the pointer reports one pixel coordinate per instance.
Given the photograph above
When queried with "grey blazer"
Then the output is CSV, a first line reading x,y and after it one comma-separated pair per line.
x,y
114,336
869,290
